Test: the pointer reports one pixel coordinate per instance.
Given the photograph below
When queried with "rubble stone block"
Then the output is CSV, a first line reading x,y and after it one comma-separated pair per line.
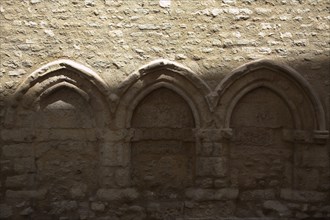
x,y
18,150
5,211
26,164
199,194
127,194
303,196
259,194
26,194
122,177
280,208
24,180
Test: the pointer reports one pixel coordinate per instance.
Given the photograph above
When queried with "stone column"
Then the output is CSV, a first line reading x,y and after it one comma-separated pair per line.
x,y
212,158
115,175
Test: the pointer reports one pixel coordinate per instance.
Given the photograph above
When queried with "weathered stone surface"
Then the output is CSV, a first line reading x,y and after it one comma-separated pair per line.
x,y
220,183
18,150
26,180
260,194
25,164
26,194
66,134
277,206
78,190
63,206
22,135
5,211
27,211
210,194
314,157
97,206
127,194
303,196
122,177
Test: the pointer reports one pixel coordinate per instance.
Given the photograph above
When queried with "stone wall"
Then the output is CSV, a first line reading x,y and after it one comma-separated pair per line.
x,y
164,109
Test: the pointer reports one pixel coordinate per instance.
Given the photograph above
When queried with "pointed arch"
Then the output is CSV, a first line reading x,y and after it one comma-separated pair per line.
x,y
43,73
59,74
167,74
163,64
166,85
286,82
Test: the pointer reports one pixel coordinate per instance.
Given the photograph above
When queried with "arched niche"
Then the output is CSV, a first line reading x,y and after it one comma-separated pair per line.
x,y
61,108
305,106
160,107
53,77
272,112
259,158
167,74
163,146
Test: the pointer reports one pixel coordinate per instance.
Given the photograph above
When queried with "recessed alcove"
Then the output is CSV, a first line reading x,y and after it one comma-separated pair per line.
x,y
163,151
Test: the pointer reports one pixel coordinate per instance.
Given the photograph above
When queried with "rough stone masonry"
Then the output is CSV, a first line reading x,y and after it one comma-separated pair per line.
x,y
164,109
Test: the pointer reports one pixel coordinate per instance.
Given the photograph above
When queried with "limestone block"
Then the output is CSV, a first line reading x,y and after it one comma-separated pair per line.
x,y
18,150
27,211
22,135
20,181
325,209
303,196
277,206
5,211
315,156
108,177
165,3
261,194
122,177
60,207
26,164
5,165
220,183
26,194
211,194
183,134
97,206
301,215
66,134
78,190
308,178
127,194
204,182
162,209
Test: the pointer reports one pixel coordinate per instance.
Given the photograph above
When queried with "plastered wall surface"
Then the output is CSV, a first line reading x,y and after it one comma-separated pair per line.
x,y
215,109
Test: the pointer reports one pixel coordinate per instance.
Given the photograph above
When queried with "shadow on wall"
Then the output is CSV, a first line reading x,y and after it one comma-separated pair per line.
x,y
163,144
